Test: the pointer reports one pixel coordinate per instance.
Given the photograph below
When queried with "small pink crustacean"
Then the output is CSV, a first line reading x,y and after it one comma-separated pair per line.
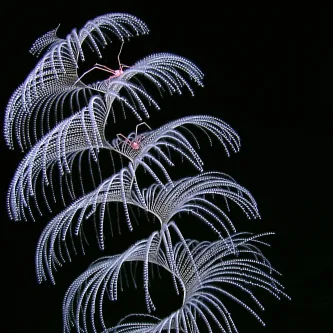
x,y
135,143
114,72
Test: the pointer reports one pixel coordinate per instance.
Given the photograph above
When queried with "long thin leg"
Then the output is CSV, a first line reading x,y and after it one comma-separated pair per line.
x,y
96,66
123,136
121,66
106,68
137,126
119,63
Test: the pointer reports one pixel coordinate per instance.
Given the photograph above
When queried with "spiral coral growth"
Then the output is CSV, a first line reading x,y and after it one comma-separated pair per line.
x,y
201,271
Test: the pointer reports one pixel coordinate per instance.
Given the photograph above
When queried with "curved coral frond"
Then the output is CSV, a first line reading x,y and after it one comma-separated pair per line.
x,y
176,136
52,80
69,223
63,121
204,270
95,32
187,195
167,71
84,131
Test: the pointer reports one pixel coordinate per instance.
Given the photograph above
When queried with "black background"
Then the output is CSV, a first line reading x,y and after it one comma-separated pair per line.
x,y
268,73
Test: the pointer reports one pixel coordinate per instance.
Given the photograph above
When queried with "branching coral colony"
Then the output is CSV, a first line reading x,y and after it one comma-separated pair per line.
x,y
61,145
